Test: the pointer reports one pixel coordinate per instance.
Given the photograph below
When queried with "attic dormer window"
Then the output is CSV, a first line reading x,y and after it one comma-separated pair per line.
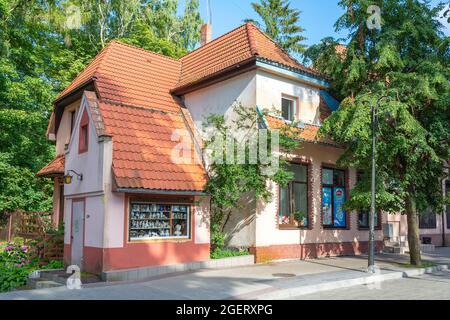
x,y
84,134
288,108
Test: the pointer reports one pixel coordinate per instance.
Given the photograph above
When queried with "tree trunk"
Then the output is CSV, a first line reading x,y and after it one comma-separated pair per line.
x,y
413,232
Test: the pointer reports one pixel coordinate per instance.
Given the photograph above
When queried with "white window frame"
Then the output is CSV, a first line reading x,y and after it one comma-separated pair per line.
x,y
294,107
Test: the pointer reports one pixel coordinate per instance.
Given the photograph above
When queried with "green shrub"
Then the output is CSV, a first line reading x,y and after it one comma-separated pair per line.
x,y
217,238
15,265
227,253
54,264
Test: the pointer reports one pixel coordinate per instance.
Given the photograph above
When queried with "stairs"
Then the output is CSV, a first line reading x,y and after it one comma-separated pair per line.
x,y
394,247
402,248
45,279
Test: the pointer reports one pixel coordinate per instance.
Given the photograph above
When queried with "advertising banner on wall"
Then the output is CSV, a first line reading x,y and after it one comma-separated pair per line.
x,y
327,218
339,213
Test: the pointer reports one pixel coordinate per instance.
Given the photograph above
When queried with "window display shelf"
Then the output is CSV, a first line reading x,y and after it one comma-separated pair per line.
x,y
150,221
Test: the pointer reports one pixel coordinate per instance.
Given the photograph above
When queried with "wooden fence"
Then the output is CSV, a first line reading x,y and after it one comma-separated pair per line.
x,y
27,225
34,228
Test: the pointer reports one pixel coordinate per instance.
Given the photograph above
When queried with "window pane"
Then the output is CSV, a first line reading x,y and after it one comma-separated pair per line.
x,y
84,137
327,176
287,109
284,213
300,172
180,220
327,219
427,220
301,203
154,221
363,219
339,178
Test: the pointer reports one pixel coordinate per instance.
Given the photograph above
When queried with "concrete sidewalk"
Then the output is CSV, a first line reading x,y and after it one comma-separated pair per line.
x,y
278,280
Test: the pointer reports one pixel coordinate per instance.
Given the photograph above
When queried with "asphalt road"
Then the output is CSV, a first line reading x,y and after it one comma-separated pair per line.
x,y
427,287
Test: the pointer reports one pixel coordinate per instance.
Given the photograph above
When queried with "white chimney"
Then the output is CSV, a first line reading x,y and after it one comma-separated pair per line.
x,y
206,34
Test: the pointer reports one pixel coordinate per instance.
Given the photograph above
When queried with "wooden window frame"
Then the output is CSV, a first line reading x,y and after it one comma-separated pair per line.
x,y
168,202
293,225
345,186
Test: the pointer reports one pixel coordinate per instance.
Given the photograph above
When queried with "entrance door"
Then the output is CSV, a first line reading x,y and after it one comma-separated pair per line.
x,y
77,232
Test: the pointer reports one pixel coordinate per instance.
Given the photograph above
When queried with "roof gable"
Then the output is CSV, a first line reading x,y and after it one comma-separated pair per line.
x,y
133,76
235,47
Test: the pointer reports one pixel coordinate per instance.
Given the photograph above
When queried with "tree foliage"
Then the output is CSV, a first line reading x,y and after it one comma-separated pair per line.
x,y
231,180
43,46
281,22
407,61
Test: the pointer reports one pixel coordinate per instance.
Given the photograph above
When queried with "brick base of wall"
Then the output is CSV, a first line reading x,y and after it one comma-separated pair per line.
x,y
311,250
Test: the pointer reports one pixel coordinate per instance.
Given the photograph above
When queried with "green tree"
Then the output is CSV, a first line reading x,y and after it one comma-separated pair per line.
x,y
190,24
43,46
408,61
230,181
281,23
25,99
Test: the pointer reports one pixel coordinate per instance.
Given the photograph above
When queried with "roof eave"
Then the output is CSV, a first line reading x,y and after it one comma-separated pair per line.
x,y
163,192
216,77
291,72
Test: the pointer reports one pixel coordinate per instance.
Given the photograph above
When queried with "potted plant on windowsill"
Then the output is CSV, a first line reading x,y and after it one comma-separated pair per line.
x,y
301,218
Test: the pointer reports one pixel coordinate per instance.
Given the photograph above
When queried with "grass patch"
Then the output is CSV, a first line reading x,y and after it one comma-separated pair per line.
x,y
227,253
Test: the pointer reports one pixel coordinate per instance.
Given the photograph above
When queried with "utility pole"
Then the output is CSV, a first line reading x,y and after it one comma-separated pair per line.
x,y
208,8
371,262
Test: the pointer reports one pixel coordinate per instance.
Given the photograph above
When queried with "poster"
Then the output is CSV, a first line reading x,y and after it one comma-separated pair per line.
x,y
326,207
339,213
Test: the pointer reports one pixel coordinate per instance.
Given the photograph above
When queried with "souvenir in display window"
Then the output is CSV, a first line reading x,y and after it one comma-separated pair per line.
x,y
158,221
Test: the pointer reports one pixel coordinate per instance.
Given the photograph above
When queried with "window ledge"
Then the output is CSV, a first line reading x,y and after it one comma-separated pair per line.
x,y
335,228
291,227
367,228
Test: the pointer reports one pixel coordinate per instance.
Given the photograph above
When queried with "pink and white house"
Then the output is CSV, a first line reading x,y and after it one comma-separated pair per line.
x,y
129,205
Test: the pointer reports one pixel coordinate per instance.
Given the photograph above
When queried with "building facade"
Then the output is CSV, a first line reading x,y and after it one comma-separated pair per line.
x,y
129,198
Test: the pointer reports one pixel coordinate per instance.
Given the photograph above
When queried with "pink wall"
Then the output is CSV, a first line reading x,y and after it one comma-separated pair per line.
x,y
267,231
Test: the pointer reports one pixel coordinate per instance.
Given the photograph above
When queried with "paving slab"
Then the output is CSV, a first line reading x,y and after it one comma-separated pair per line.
x,y
271,280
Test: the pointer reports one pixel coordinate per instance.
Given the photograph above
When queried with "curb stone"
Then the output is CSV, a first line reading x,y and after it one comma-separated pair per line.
x,y
339,284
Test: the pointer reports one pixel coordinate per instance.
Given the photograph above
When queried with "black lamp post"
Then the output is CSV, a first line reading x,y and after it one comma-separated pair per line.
x,y
371,264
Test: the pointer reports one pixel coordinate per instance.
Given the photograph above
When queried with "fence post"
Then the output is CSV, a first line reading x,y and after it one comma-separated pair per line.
x,y
10,227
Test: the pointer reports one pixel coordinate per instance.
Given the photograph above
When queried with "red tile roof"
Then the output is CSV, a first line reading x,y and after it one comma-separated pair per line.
x,y
307,134
54,168
133,103
143,146
131,76
134,76
240,45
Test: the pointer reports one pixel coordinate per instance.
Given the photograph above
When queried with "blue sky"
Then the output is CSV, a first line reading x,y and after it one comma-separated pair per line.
x,y
317,17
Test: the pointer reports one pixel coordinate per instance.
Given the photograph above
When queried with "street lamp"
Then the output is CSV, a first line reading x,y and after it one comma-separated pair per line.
x,y
371,264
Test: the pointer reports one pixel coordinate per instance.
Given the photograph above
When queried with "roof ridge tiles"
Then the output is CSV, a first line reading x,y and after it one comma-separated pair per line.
x,y
115,41
279,47
251,39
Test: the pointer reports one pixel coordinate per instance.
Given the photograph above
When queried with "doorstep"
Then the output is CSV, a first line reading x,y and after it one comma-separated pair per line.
x,y
149,272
